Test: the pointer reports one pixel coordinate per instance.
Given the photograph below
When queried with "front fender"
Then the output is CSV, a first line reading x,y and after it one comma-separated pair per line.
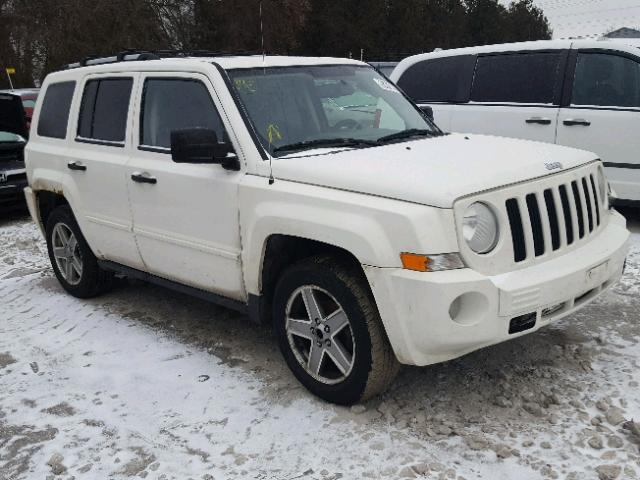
x,y
374,230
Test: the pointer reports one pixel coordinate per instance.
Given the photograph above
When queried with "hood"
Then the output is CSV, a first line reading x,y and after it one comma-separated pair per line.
x,y
431,171
12,115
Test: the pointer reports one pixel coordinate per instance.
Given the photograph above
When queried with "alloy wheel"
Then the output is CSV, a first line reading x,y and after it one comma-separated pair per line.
x,y
66,252
320,334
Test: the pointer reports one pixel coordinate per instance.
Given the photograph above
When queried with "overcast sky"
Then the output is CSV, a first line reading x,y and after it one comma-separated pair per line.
x,y
570,18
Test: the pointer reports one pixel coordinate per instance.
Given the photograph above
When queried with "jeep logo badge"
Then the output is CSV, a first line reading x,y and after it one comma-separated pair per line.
x,y
553,166
3,177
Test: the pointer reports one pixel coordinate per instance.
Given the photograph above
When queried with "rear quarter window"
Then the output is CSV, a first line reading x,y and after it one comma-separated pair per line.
x,y
54,113
446,79
533,78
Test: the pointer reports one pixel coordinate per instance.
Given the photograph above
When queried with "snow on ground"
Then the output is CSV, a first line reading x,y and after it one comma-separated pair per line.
x,y
149,383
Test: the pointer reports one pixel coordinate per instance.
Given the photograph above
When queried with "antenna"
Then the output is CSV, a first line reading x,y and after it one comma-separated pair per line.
x,y
264,72
262,34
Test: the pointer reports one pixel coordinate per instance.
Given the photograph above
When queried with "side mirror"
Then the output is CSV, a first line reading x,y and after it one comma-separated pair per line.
x,y
200,145
427,111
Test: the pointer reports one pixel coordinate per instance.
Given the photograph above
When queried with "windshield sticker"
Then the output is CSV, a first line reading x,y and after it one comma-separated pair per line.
x,y
245,85
383,84
273,133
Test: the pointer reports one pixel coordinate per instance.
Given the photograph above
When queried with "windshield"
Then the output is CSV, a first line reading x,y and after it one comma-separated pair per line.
x,y
10,137
301,108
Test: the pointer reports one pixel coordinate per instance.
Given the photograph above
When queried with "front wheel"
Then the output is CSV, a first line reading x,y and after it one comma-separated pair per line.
x,y
330,332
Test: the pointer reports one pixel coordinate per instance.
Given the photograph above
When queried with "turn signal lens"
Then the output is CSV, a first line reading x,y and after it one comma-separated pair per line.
x,y
431,263
412,261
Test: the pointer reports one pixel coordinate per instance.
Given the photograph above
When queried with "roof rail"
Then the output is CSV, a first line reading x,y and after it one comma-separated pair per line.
x,y
124,56
140,55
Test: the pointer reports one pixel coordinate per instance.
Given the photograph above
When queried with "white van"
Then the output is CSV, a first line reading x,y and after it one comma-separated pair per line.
x,y
583,94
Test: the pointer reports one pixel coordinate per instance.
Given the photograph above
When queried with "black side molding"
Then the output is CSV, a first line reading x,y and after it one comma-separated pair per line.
x,y
620,203
178,287
632,166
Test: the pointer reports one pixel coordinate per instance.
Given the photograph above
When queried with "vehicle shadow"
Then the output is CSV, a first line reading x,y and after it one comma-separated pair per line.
x,y
490,385
633,217
14,215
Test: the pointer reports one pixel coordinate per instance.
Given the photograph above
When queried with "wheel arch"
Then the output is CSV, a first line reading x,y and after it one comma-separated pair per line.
x,y
280,251
46,202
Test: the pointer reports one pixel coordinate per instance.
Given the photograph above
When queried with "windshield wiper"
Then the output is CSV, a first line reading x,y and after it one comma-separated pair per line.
x,y
326,142
412,132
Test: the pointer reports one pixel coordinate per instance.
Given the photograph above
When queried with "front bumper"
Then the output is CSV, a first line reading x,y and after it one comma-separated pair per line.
x,y
11,193
416,308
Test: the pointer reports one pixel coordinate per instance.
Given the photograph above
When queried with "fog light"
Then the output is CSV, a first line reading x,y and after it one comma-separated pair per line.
x,y
469,308
454,309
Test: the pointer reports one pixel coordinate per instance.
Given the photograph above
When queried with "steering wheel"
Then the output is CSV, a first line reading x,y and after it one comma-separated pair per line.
x,y
348,124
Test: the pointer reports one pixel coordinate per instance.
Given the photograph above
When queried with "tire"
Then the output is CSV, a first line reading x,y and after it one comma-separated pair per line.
x,y
85,279
367,364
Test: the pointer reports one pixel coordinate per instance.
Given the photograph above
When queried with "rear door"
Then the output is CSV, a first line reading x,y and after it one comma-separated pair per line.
x,y
602,114
515,94
95,162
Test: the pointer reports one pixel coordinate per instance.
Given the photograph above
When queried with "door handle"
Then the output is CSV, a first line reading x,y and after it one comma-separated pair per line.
x,y
573,122
142,178
539,120
76,166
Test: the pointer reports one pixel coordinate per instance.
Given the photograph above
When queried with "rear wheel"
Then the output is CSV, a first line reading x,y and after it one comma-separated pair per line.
x,y
72,260
330,332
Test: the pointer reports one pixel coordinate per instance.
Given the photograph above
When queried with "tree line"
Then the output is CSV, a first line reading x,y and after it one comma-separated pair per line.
x,y
39,36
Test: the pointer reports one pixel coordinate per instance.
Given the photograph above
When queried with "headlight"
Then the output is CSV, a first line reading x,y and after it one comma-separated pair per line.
x,y
480,228
603,189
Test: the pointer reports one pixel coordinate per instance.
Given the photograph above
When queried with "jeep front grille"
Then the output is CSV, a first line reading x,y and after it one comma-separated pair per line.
x,y
556,217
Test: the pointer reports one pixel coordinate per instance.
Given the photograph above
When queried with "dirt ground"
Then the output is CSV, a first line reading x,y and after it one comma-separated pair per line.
x,y
144,382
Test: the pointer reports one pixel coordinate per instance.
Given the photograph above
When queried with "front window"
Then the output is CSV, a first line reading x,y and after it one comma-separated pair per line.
x,y
607,81
170,104
306,107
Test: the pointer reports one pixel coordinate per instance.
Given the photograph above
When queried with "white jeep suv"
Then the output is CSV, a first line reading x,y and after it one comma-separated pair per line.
x,y
311,193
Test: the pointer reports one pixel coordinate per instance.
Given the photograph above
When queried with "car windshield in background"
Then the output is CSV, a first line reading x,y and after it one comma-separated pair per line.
x,y
8,137
302,108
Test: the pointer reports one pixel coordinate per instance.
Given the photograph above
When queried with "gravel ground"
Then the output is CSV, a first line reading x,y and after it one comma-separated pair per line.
x,y
148,383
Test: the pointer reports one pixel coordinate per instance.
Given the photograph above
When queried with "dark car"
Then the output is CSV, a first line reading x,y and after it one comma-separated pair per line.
x,y
28,97
14,132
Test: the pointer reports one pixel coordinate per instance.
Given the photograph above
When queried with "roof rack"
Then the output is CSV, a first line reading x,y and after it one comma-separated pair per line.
x,y
141,55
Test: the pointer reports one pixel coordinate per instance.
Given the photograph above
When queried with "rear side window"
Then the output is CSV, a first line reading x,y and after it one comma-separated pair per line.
x,y
606,80
104,109
54,113
518,78
174,104
439,80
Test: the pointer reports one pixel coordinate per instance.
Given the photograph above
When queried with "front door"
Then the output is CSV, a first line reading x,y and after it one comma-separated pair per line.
x,y
603,116
185,216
